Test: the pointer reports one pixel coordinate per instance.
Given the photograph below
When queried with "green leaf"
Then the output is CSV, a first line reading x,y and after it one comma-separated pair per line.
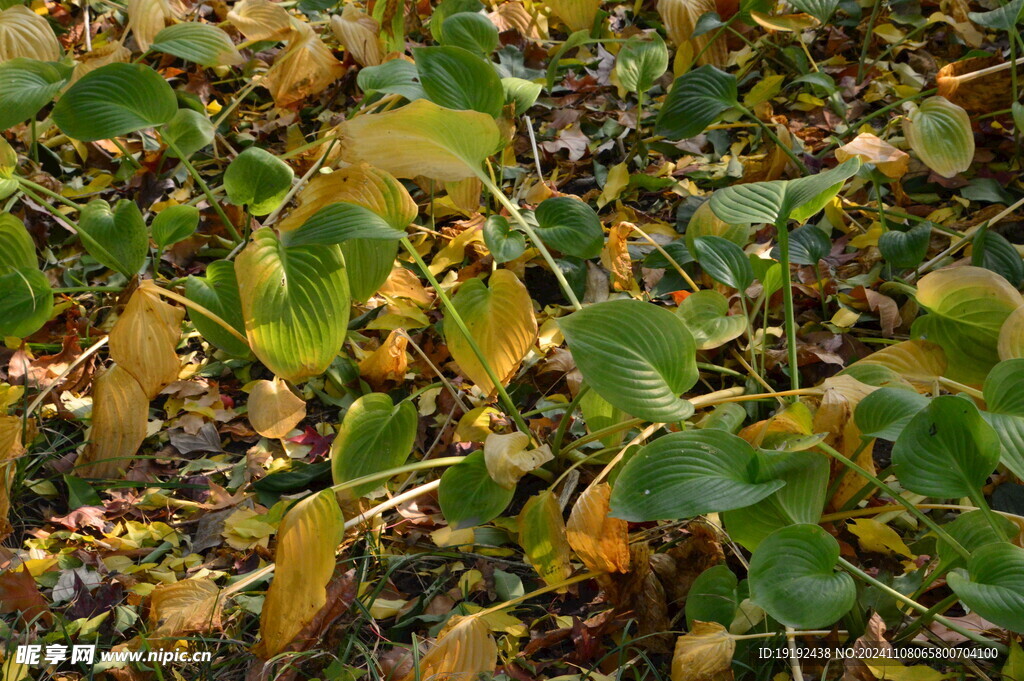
x,y
504,242
26,86
26,301
713,597
189,131
598,414
523,93
369,263
906,249
1004,398
947,450
704,222
792,577
706,314
456,78
339,222
993,252
218,292
450,8
1003,18
822,10
18,248
115,236
115,100
887,411
971,530
636,355
471,31
203,44
807,245
295,301
375,435
571,226
396,77
174,224
468,496
697,99
724,261
940,133
993,586
682,475
641,62
258,179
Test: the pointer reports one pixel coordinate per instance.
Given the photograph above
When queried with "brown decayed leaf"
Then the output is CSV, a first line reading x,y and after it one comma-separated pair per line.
x,y
680,17
23,33
274,410
19,593
188,606
388,363
918,361
871,149
10,447
771,164
260,20
360,35
704,654
146,18
977,94
835,418
601,542
508,458
120,411
144,339
465,648
306,68
542,536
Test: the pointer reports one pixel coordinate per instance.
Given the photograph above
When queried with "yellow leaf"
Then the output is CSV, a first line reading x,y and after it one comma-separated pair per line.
x,y
144,339
305,68
422,138
508,458
704,654
465,648
870,239
885,669
578,15
870,149
274,410
680,17
455,251
146,18
306,542
763,90
260,20
542,536
615,257
601,542
465,194
878,538
920,362
101,56
120,411
1011,336
844,318
23,33
10,447
388,363
785,22
617,180
188,606
475,426
360,34
500,319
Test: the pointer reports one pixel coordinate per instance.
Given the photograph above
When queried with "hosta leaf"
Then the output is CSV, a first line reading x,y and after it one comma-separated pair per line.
x,y
274,410
19,250
704,222
26,86
542,536
306,542
203,44
120,411
807,245
578,15
26,301
144,340
993,252
966,306
499,317
397,77
189,131
504,242
295,303
422,138
706,314
260,19
115,236
971,530
947,450
306,68
636,355
340,222
697,99
360,34
993,585
889,160
218,292
641,62
600,541
375,435
571,226
468,496
115,100
522,93
905,249
188,606
687,474
465,648
724,261
713,597
371,262
1004,398
23,33
939,132
173,224
471,31
1004,18
257,179
822,10
919,362
599,414
792,577
704,653
887,411
456,78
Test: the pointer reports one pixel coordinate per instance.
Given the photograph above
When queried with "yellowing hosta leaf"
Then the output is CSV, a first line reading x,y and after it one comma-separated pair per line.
x,y
508,458
295,303
940,134
188,606
578,15
464,649
680,17
878,538
260,20
920,362
1011,336
363,185
10,447
465,194
120,411
388,362
146,18
601,542
422,138
107,54
144,339
306,68
542,536
784,22
360,34
500,319
274,410
704,654
306,542
888,159
23,33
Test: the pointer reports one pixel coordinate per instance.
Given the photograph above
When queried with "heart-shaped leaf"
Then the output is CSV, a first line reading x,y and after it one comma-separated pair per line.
x,y
295,303
115,100
993,252
993,586
340,222
704,222
724,261
905,249
26,301
697,99
682,475
571,226
713,597
504,242
188,132
145,337
641,62
173,224
523,93
638,356
396,77
1003,18
257,179
822,10
807,245
203,44
471,31
468,496
939,132
792,576
887,411
1004,398
26,86
457,79
706,314
947,450
375,435
274,410
972,530
218,292
115,236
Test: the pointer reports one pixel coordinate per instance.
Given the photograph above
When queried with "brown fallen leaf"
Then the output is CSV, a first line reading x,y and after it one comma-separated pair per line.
x,y
185,607
871,149
306,68
19,594
388,363
978,84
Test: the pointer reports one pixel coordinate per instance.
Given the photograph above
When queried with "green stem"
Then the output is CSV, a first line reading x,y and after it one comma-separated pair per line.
x,y
454,317
125,154
598,434
787,302
979,500
89,289
52,194
391,472
205,189
64,220
928,616
867,40
518,217
563,425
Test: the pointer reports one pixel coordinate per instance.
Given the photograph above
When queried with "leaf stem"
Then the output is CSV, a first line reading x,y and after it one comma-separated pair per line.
x,y
214,317
563,425
205,189
52,194
665,254
398,470
787,303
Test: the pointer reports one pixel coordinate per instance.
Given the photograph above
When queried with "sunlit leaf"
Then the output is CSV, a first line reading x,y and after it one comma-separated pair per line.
x,y
375,435
120,410
464,647
704,653
600,541
23,33
143,342
542,536
274,410
939,132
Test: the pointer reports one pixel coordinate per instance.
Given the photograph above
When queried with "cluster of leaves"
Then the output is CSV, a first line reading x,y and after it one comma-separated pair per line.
x,y
533,329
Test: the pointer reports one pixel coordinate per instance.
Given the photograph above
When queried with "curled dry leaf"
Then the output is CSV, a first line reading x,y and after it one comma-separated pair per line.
x,y
978,84
360,35
768,166
23,33
704,654
388,363
274,410
542,536
615,257
306,68
870,149
188,606
465,648
834,417
508,458
306,542
260,20
146,18
144,339
120,411
10,447
680,17
601,542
